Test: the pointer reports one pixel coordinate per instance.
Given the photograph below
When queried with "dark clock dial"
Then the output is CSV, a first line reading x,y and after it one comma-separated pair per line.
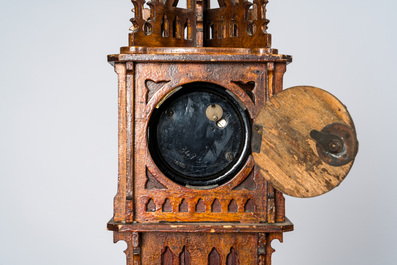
x,y
199,135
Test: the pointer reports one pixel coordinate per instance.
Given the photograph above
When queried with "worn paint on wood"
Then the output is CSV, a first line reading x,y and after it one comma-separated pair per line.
x,y
288,158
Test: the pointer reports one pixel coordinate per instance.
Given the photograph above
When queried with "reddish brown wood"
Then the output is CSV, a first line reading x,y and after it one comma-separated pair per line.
x,y
216,206
280,207
129,137
155,198
271,205
261,249
152,87
184,206
232,258
119,200
233,24
152,183
167,206
162,222
268,247
237,24
233,208
184,257
200,245
214,258
129,216
193,54
200,206
158,70
235,223
244,199
280,69
150,206
204,248
249,206
133,250
202,227
167,257
248,88
248,183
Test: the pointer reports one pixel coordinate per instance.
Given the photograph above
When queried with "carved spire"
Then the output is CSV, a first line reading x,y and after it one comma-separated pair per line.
x,y
234,23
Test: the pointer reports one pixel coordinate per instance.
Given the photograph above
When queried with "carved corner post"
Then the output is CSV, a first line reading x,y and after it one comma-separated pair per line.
x,y
120,198
205,151
133,250
123,206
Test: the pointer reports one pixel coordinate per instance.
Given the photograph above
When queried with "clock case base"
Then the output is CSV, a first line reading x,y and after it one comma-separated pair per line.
x,y
198,243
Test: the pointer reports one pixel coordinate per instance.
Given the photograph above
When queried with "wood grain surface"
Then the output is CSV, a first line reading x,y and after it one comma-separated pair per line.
x,y
198,248
288,158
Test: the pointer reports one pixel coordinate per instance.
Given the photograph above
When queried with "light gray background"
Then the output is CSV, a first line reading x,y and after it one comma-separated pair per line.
x,y
58,128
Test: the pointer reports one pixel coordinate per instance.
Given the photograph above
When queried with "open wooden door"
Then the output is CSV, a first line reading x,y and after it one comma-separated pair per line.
x,y
307,141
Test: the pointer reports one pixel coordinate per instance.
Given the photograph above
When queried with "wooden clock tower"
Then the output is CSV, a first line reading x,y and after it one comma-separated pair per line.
x,y
209,142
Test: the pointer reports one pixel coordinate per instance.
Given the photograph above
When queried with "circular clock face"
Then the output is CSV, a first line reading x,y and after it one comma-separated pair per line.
x,y
199,135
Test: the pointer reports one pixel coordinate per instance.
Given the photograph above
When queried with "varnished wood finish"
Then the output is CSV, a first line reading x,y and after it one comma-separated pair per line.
x,y
234,223
233,24
253,76
288,157
119,200
166,223
197,248
208,227
205,54
153,81
162,24
176,74
236,24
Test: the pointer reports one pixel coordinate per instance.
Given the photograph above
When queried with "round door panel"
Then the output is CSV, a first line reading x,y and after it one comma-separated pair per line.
x,y
199,136
308,141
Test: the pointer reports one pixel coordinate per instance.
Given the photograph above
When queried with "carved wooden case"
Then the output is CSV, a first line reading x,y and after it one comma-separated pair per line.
x,y
145,194
222,209
161,23
199,247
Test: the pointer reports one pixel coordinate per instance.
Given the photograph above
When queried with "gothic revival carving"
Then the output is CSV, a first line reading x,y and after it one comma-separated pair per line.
x,y
216,206
152,183
184,257
167,257
249,206
171,45
183,206
248,87
232,207
232,258
150,206
161,23
248,184
200,206
214,258
167,206
153,87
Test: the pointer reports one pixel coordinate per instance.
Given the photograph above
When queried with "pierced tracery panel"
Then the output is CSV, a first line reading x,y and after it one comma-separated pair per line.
x,y
199,248
232,23
161,23
237,23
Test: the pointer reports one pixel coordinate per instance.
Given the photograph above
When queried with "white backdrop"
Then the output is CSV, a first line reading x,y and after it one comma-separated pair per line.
x,y
58,128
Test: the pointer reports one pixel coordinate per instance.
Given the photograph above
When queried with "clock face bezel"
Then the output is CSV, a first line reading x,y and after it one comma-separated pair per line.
x,y
241,121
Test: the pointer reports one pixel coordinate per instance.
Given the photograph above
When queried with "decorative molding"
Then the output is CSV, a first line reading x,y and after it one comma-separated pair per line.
x,y
248,183
248,87
152,87
152,183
